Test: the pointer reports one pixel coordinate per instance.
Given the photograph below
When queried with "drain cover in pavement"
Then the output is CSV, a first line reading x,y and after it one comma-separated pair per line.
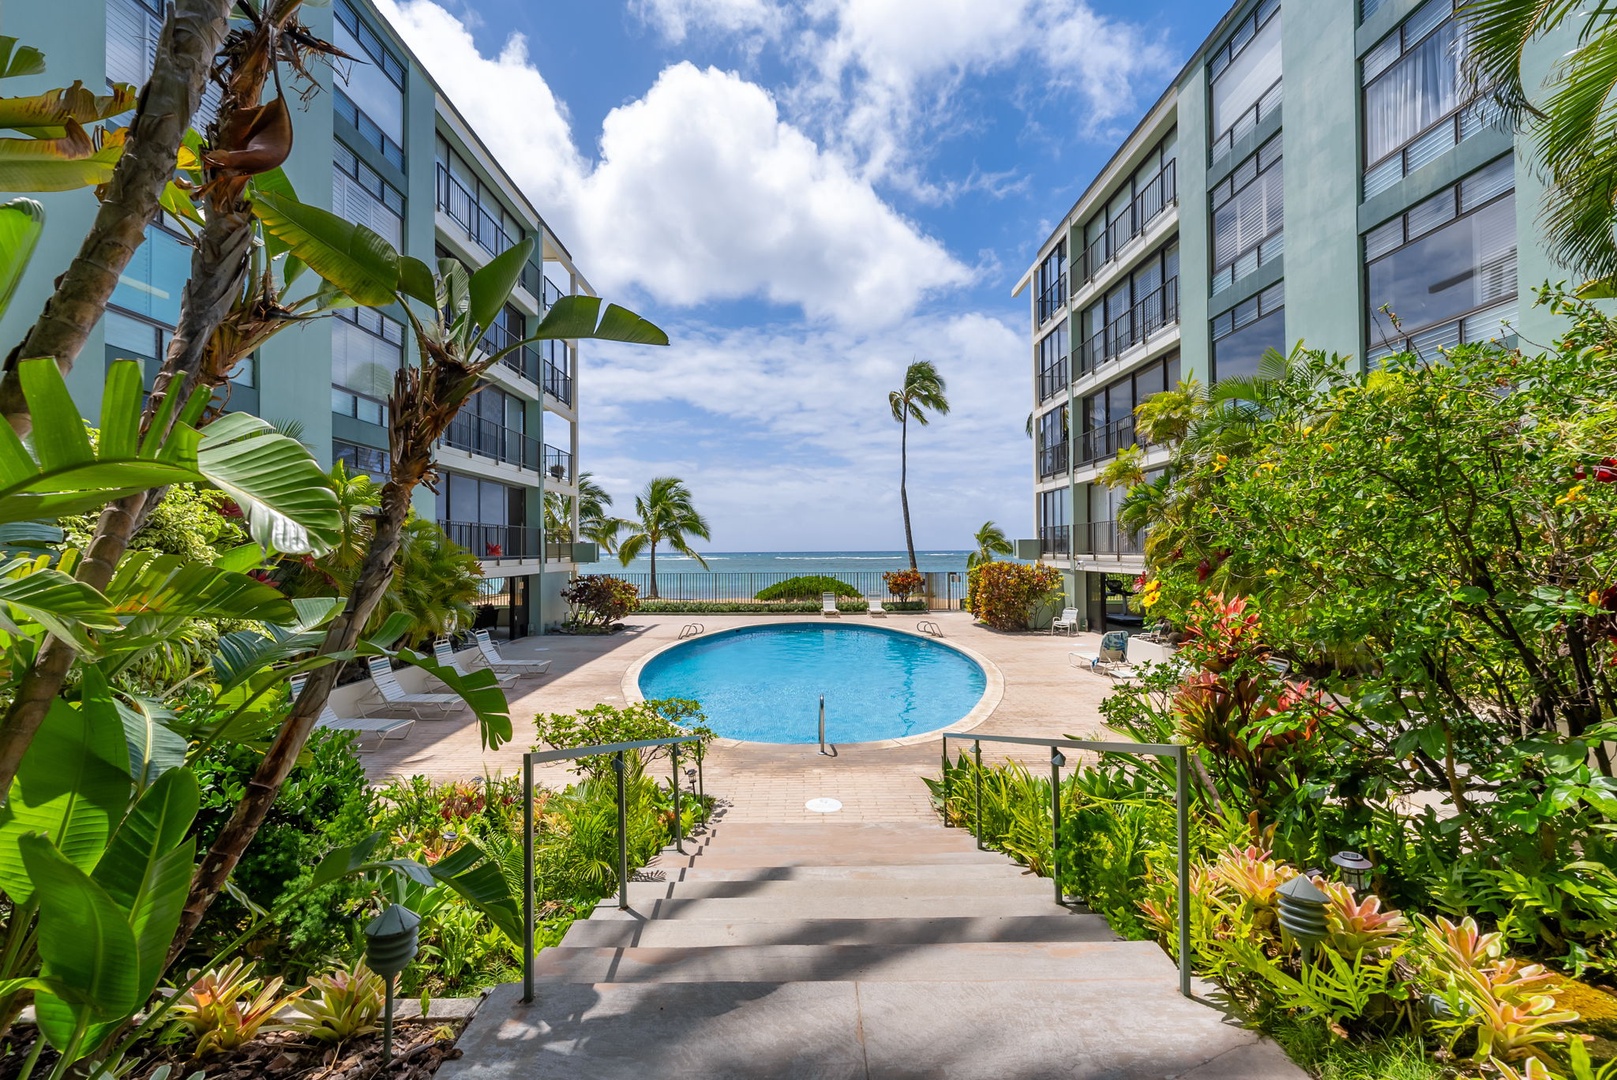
x,y
823,806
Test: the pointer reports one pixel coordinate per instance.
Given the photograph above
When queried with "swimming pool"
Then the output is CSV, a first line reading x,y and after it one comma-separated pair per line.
x,y
763,683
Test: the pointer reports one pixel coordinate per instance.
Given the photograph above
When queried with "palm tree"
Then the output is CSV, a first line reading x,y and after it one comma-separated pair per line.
x,y
923,389
991,541
665,512
1569,122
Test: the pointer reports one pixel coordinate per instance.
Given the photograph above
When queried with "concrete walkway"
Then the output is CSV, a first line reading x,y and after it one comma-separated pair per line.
x,y
839,949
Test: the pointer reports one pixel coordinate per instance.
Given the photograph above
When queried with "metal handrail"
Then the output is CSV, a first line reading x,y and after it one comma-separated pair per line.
x,y
693,629
617,750
1181,802
927,626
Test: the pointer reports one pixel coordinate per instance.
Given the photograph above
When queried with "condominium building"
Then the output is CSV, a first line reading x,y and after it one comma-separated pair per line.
x,y
381,145
1317,172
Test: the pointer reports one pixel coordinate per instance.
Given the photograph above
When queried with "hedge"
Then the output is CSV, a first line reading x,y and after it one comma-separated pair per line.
x,y
808,587
750,607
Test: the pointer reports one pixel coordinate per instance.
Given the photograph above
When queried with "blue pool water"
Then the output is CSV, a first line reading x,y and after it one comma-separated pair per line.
x,y
763,684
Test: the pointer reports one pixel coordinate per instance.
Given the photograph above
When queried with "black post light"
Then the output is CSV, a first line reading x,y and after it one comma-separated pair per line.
x,y
1302,912
1057,761
1355,869
391,941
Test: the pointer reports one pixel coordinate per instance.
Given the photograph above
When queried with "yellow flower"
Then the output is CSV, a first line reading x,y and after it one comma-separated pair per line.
x,y
1220,461
1268,466
1149,599
1272,572
1574,494
1307,431
1594,596
1329,449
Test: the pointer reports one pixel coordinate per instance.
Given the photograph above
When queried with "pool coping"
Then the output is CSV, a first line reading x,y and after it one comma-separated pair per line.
x,y
993,691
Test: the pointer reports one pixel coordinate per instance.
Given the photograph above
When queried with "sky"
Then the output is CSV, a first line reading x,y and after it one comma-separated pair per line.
x,y
807,196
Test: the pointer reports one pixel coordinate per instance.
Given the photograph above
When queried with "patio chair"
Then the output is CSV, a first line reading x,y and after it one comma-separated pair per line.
x,y
876,609
828,605
393,695
491,657
371,729
1114,648
1068,623
445,654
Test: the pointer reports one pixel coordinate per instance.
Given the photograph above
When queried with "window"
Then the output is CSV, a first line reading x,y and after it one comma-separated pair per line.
x,y
362,459
462,195
151,283
1446,268
484,502
1368,9
1152,189
1245,76
1052,440
128,338
371,97
1244,333
1134,309
359,194
1052,354
1055,522
1051,283
367,349
132,29
1249,216
1108,414
1414,96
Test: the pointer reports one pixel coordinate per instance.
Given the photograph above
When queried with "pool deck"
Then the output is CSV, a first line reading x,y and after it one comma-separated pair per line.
x,y
1042,695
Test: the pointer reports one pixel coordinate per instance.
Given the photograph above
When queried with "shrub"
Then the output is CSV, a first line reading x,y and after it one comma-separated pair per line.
x,y
666,718
807,587
775,607
901,583
600,600
1007,595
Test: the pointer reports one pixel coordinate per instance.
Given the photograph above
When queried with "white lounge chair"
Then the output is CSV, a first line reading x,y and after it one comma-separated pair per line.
x,y
1068,623
425,706
828,604
445,655
876,609
492,657
371,729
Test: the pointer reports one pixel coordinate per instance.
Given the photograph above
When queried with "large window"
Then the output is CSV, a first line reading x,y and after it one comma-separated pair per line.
x,y
1244,333
362,459
1249,211
1051,283
484,502
359,194
1245,77
150,284
1052,351
1446,269
366,350
1415,104
1052,435
463,196
371,97
1108,414
132,29
1055,521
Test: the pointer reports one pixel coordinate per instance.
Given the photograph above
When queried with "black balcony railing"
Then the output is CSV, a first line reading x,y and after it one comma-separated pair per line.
x,y
1053,380
558,465
495,541
1053,300
558,383
1103,442
483,227
1154,196
1052,460
1156,310
478,435
1055,539
1103,539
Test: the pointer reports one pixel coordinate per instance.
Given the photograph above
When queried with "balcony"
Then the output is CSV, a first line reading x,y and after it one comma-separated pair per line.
x,y
1156,310
1104,540
1053,300
491,439
1052,460
1103,442
1053,380
495,541
481,226
525,361
1055,539
1154,196
558,383
558,465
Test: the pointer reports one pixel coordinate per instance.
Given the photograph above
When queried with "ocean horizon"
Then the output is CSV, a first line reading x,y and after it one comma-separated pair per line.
x,y
787,562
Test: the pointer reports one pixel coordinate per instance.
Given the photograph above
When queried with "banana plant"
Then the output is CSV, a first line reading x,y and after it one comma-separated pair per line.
x,y
53,142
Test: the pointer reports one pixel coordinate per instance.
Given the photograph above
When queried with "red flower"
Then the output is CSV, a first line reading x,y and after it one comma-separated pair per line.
x,y
493,551
1606,471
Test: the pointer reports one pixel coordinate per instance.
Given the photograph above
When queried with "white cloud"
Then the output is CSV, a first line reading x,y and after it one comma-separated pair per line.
x,y
702,192
676,19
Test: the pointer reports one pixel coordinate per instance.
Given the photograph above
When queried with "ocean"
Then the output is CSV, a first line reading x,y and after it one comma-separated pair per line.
x,y
788,562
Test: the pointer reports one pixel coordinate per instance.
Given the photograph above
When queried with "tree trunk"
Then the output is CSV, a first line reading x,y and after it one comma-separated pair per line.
x,y
190,38
903,485
652,593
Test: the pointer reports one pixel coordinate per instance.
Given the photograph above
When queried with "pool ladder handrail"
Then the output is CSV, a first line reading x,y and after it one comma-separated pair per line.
x,y
823,751
694,629
927,626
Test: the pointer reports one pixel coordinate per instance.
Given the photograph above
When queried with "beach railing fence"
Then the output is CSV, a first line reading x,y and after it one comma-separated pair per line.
x,y
943,591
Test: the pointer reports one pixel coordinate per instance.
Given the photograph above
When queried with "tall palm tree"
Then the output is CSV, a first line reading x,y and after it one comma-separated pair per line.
x,y
1569,121
923,389
991,542
665,512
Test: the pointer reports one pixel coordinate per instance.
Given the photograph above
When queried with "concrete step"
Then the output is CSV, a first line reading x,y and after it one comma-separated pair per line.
x,y
821,889
621,933
1077,961
813,906
999,870
724,858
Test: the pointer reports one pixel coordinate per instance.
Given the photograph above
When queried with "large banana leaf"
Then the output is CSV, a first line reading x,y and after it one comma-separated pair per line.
x,y
76,160
45,116
351,257
491,284
581,317
244,653
72,785
21,222
18,60
478,688
154,746
147,584
477,877
286,497
32,590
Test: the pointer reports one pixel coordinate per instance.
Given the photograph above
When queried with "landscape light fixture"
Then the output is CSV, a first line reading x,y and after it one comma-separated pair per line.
x,y
1302,912
1355,869
391,941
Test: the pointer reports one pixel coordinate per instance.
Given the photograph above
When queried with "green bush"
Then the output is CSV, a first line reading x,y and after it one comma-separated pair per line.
x,y
808,587
665,718
1007,595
